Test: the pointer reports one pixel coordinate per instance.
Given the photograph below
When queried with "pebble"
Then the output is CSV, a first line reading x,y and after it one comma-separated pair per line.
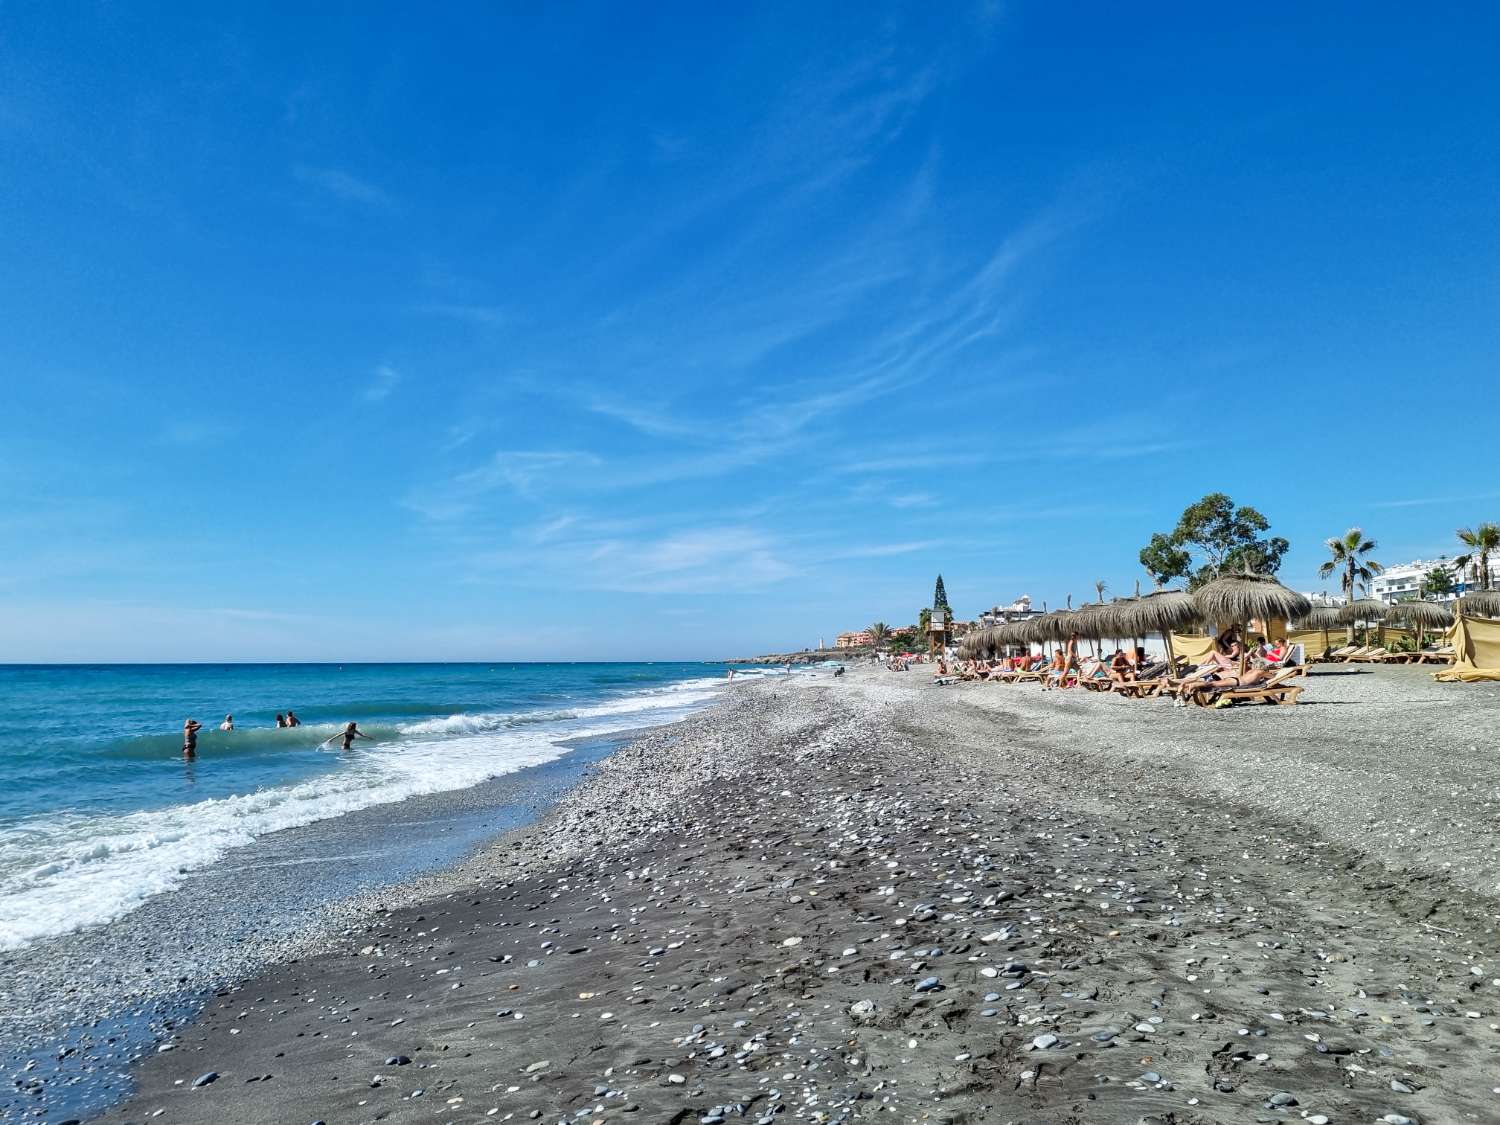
x,y
205,1079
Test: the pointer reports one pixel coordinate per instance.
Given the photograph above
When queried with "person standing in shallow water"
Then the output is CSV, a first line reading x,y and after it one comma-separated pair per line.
x,y
292,720
349,734
190,731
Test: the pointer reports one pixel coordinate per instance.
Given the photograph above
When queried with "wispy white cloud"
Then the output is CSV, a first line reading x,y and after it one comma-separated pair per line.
x,y
382,383
523,472
193,431
1430,501
344,186
912,500
484,316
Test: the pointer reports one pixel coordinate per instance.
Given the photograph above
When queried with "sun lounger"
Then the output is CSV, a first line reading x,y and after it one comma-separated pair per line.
x,y
1277,690
1336,655
1432,656
1379,654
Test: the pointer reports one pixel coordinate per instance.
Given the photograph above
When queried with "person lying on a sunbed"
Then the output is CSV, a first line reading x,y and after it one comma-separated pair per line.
x,y
1223,661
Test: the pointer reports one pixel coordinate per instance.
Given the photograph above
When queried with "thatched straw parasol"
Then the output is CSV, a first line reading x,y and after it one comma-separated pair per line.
x,y
1366,609
1060,624
1092,621
1480,603
1236,598
1163,612
1322,617
1423,616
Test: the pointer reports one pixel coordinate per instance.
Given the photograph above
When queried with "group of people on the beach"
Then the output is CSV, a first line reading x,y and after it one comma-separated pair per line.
x,y
1230,665
191,727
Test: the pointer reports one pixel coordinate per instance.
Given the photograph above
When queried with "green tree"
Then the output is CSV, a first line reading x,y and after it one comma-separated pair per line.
x,y
1437,583
1482,541
879,632
904,640
1348,553
1213,537
924,621
940,598
1164,560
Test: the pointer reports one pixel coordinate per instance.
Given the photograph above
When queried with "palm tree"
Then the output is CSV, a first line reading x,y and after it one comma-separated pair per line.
x,y
1348,553
1482,541
879,632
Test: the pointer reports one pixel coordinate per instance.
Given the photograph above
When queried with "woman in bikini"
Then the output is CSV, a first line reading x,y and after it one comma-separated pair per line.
x,y
348,734
1221,671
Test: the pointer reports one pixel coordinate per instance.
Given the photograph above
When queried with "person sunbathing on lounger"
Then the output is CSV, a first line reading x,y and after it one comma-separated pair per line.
x,y
1223,661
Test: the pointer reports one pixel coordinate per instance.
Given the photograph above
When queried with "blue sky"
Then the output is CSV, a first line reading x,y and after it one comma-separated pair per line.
x,y
570,331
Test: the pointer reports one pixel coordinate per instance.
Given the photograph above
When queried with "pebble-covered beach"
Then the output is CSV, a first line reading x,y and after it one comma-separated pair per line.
x,y
872,898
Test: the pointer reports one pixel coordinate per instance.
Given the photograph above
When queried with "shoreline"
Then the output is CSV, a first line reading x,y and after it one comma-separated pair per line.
x,y
832,900
132,980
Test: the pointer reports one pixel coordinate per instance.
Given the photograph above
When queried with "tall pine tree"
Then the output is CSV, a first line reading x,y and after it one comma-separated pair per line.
x,y
940,599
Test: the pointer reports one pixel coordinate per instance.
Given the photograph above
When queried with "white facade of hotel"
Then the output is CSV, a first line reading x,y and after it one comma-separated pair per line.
x,y
1403,583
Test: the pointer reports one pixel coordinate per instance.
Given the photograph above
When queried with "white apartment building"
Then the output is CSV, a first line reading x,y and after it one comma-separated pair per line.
x,y
1401,583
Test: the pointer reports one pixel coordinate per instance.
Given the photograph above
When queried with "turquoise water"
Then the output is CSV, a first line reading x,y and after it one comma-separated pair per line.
x,y
100,811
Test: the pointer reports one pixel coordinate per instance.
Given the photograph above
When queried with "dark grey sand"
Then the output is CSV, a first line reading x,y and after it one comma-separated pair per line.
x,y
830,900
76,1010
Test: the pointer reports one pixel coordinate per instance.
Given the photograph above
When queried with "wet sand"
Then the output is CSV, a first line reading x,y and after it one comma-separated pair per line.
x,y
832,900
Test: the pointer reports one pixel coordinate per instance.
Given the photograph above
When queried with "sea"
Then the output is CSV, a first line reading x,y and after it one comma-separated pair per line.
x,y
100,811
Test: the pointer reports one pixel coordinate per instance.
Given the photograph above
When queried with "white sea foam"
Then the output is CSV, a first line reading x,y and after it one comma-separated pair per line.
x,y
63,872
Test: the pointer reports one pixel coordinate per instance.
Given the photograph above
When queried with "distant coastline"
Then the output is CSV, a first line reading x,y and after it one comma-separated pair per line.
x,y
805,656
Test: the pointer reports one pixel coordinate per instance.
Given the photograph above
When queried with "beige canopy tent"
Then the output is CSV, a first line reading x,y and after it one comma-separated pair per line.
x,y
1195,647
1476,650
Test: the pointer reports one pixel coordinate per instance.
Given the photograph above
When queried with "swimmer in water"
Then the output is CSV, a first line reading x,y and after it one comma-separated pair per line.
x,y
350,733
228,723
280,721
190,731
292,720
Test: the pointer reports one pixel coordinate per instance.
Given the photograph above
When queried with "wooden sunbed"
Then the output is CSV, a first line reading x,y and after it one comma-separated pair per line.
x,y
1336,655
1278,689
1432,656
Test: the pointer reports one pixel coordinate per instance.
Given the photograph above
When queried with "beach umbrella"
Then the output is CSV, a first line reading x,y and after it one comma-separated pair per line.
x,y
1232,600
1322,617
1423,616
1061,624
1091,622
1164,612
1364,611
1480,603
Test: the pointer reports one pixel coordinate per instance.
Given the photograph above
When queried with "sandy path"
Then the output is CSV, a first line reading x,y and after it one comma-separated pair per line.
x,y
870,898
